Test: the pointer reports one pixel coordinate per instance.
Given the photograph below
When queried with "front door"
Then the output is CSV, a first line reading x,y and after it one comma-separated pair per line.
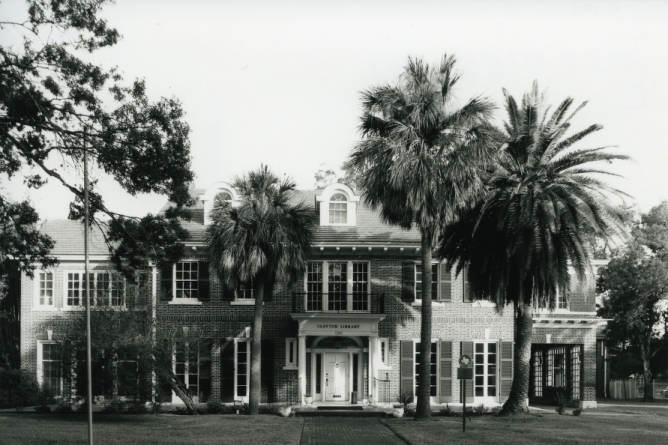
x,y
336,377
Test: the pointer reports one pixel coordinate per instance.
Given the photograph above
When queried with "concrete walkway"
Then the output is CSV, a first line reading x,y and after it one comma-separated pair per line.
x,y
344,430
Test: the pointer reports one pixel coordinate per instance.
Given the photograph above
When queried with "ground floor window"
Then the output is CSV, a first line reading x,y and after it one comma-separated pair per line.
x,y
242,363
432,368
51,368
556,372
484,362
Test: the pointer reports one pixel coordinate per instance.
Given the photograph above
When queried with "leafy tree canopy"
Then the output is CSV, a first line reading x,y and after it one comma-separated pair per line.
x,y
54,102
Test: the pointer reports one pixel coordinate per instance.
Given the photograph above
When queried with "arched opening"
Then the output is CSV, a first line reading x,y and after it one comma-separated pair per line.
x,y
338,208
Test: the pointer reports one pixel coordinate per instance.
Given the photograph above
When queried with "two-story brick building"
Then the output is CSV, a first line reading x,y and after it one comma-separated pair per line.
x,y
348,329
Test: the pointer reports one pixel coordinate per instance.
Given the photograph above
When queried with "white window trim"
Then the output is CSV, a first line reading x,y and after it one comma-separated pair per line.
x,y
40,363
242,301
186,382
351,200
210,194
349,285
432,399
556,310
248,358
290,365
487,399
383,364
434,302
36,291
82,299
186,301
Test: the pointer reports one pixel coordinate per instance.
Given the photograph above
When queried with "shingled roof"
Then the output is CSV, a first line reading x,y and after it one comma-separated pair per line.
x,y
370,230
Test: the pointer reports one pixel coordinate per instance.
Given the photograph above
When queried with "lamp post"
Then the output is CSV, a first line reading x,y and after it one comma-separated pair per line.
x,y
89,372
464,373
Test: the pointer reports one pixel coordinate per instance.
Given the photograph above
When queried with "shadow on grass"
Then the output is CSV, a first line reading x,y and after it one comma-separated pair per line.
x,y
82,417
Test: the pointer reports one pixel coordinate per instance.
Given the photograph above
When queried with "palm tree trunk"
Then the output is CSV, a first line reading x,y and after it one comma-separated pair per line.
x,y
423,409
256,354
519,391
648,391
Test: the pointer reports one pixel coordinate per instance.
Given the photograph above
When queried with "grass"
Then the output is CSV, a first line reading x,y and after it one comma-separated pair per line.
x,y
149,429
609,426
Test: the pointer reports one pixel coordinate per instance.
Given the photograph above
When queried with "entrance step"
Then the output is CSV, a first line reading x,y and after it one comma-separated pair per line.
x,y
340,411
340,408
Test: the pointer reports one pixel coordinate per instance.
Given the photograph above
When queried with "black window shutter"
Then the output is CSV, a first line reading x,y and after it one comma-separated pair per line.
x,y
468,297
446,371
445,283
408,281
166,282
204,288
506,364
406,369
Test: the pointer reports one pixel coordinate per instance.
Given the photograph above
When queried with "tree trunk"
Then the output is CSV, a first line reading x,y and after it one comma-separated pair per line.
x,y
181,392
519,391
256,354
423,409
648,390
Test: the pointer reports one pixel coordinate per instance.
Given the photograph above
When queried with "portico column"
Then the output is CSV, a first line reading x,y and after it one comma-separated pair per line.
x,y
373,340
301,367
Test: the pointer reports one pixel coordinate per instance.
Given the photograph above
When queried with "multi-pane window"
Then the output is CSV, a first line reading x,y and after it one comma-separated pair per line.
x,y
246,291
432,368
418,281
242,362
52,368
336,289
338,209
73,289
484,362
46,288
106,289
360,286
186,366
186,279
314,286
562,300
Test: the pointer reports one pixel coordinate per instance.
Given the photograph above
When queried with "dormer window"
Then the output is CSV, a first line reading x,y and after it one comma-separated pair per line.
x,y
338,205
216,197
338,209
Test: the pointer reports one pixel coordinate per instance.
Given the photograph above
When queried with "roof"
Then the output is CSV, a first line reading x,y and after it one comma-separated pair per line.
x,y
69,237
370,230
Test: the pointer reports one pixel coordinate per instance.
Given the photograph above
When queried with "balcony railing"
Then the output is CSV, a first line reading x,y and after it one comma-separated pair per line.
x,y
338,302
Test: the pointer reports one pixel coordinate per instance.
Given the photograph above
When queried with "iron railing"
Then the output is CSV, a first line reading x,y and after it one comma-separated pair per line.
x,y
338,302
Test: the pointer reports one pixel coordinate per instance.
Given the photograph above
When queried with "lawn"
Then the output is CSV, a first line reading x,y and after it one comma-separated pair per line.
x,y
608,426
149,429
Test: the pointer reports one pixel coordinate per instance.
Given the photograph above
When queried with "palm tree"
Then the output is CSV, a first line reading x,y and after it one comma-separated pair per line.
x,y
263,240
543,201
418,162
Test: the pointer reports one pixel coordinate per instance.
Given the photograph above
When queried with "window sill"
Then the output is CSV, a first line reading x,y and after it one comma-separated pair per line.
x,y
418,303
45,308
290,368
243,302
185,301
482,303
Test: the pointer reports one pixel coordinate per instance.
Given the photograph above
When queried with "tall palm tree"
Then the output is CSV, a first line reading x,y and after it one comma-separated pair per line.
x,y
263,240
543,201
418,161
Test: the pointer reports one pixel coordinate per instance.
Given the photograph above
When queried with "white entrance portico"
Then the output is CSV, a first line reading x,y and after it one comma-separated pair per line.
x,y
338,355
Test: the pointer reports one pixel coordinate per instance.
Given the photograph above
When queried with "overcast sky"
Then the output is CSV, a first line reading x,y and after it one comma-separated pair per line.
x,y
279,82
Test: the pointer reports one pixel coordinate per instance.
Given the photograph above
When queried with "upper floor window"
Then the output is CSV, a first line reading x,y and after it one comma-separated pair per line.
x,y
337,205
186,279
106,289
434,281
221,200
338,209
337,286
46,289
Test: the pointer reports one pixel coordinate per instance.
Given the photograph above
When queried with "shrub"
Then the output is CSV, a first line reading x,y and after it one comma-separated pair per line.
x,y
560,396
577,411
479,409
63,408
17,388
447,411
214,407
405,398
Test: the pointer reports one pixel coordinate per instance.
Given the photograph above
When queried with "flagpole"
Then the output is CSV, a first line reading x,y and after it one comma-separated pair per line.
x,y
89,371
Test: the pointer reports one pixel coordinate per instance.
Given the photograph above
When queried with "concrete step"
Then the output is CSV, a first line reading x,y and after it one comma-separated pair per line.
x,y
339,413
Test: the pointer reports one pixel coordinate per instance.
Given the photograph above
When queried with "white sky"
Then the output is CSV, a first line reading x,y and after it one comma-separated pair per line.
x,y
279,82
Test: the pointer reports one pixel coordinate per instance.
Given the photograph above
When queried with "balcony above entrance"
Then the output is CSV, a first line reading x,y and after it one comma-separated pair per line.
x,y
338,302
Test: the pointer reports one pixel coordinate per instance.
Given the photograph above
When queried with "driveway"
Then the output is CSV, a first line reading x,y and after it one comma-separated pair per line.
x,y
343,430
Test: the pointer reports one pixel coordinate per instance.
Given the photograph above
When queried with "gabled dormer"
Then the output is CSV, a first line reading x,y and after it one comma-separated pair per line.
x,y
215,195
337,205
